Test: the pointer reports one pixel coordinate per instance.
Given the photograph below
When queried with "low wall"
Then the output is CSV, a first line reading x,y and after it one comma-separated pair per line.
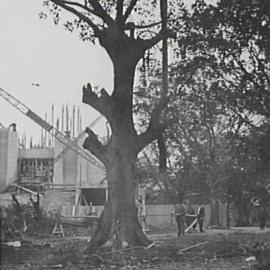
x,y
58,201
156,215
161,215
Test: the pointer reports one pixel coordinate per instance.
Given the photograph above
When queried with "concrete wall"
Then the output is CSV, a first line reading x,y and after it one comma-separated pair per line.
x,y
70,167
89,176
73,169
8,157
13,151
58,166
66,169
57,201
3,157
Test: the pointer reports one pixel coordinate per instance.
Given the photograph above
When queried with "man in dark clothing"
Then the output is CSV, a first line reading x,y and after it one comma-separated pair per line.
x,y
180,218
262,217
200,217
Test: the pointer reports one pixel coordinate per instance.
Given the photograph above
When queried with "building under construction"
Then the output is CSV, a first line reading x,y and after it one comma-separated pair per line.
x,y
68,179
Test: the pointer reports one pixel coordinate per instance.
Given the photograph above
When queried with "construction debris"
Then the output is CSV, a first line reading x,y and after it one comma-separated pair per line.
x,y
58,230
15,244
193,246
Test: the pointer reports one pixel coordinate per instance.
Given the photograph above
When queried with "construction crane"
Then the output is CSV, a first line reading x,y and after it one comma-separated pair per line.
x,y
76,140
69,144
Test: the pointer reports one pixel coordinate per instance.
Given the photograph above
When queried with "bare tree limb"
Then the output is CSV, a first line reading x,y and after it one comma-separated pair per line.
x,y
153,132
93,144
162,154
119,12
102,103
86,8
102,13
155,127
147,25
129,9
167,33
153,173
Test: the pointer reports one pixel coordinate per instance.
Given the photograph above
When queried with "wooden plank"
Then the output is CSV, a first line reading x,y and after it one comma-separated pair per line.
x,y
191,225
193,246
27,190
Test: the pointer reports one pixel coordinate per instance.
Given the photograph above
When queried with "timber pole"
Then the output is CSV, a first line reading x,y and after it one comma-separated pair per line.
x,y
163,9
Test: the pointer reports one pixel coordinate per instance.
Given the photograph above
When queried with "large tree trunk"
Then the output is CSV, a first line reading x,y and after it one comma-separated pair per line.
x,y
119,220
243,215
119,224
214,204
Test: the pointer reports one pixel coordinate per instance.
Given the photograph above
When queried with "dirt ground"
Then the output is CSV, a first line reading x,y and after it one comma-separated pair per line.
x,y
218,249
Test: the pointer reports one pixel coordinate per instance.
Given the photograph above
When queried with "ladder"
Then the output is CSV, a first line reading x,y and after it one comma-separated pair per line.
x,y
53,131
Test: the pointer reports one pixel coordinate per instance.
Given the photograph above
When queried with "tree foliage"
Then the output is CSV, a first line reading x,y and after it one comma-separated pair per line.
x,y
219,89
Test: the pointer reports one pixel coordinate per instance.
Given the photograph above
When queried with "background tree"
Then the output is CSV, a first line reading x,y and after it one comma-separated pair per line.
x,y
219,85
200,145
228,44
250,174
233,37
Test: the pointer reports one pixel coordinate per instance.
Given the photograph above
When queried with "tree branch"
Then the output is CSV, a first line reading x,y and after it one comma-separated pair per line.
x,y
62,4
155,127
93,144
162,154
119,12
102,103
167,33
84,7
147,25
129,9
79,5
102,13
152,172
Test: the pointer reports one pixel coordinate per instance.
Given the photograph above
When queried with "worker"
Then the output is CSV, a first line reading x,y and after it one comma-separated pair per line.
x,y
180,218
262,217
200,218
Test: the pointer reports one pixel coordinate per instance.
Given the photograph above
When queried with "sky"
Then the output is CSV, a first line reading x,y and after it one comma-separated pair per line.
x,y
35,51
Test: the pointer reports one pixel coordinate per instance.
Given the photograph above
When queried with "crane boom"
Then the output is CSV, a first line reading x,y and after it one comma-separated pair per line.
x,y
76,140
67,147
49,128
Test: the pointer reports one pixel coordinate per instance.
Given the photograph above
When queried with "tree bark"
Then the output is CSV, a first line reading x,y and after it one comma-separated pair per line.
x,y
119,223
214,204
243,216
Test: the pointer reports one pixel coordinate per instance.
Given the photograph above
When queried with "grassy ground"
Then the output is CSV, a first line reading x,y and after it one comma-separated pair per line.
x,y
221,250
